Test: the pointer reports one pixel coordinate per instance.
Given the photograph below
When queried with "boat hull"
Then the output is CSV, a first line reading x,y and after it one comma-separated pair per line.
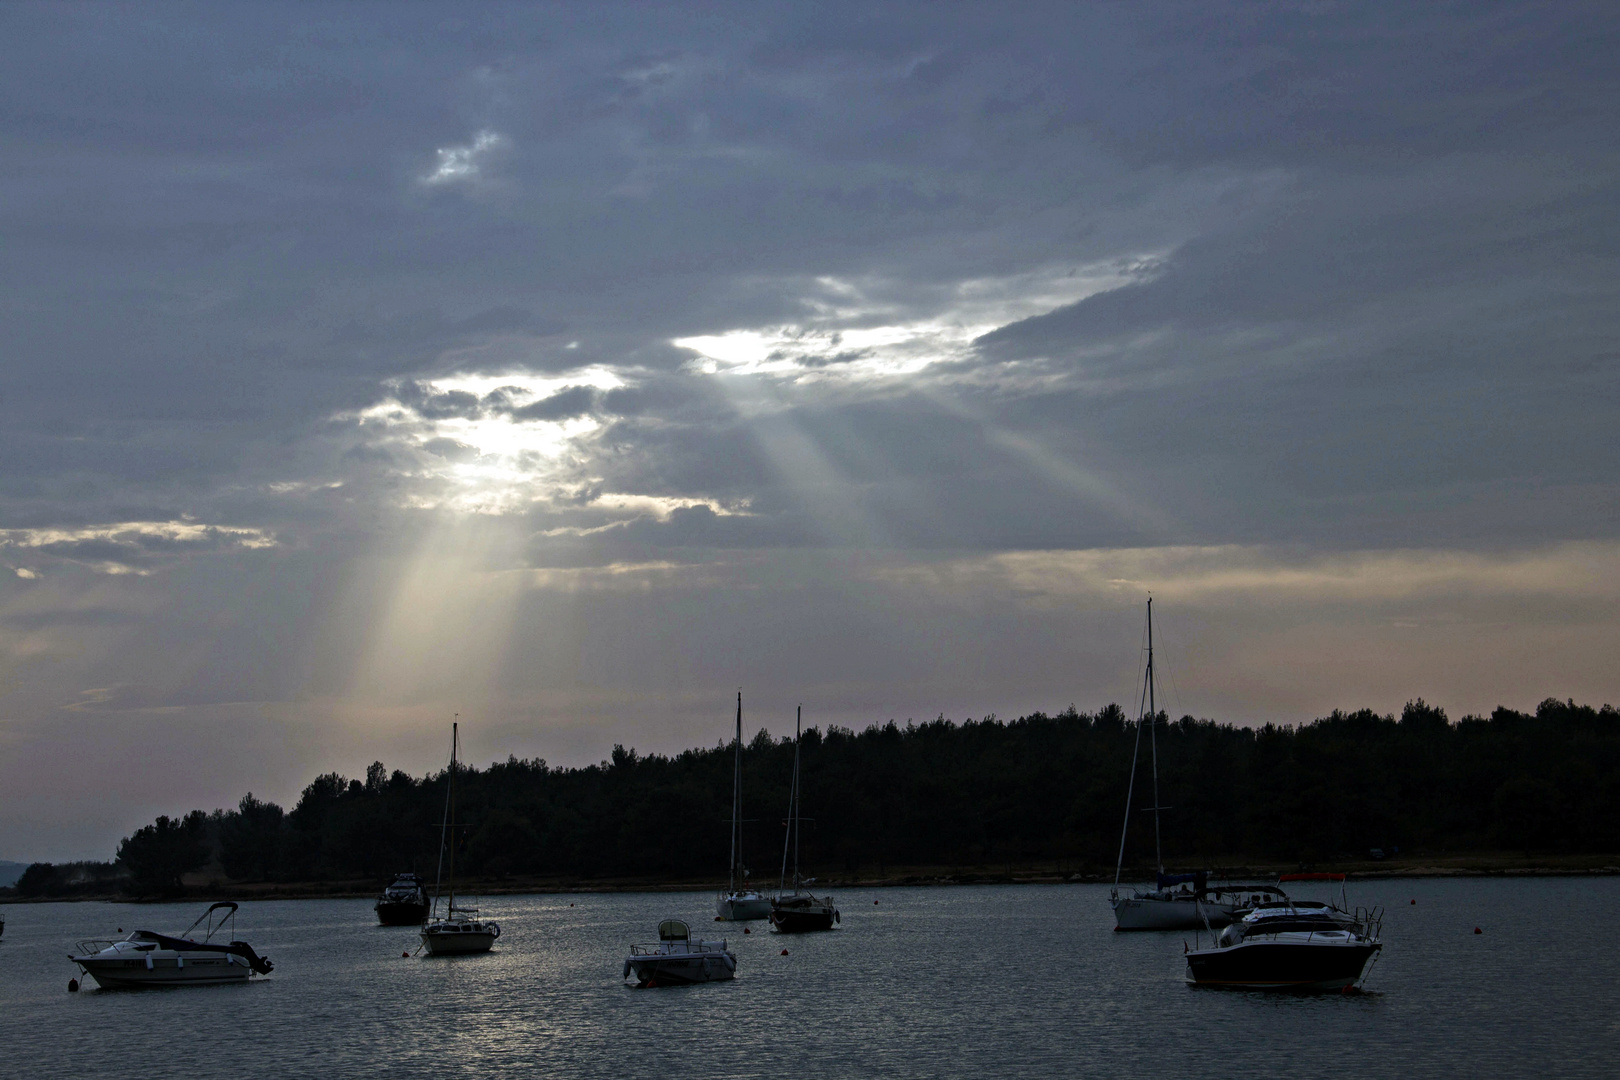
x,y
681,970
1151,913
739,908
1282,965
802,920
124,973
401,913
458,944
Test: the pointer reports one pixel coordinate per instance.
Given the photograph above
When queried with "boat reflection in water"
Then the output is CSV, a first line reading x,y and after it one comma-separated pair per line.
x,y
675,959
146,958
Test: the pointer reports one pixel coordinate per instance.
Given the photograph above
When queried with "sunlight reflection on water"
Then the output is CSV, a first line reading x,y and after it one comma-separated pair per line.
x,y
966,981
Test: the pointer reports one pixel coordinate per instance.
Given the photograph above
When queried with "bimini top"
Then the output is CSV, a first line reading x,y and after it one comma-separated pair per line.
x,y
673,930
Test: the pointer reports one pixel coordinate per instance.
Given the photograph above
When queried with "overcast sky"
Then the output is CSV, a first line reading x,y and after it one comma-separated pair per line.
x,y
570,367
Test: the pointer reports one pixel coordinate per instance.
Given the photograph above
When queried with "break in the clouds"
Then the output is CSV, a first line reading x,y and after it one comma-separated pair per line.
x,y
566,368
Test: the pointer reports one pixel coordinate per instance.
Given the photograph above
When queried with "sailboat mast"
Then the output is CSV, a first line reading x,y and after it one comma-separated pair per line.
x,y
450,817
793,810
736,794
1153,742
798,823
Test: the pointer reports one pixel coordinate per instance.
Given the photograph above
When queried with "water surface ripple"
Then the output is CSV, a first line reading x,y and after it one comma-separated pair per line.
x,y
1009,981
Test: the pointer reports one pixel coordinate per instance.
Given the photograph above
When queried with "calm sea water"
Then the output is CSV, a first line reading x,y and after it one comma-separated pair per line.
x,y
951,982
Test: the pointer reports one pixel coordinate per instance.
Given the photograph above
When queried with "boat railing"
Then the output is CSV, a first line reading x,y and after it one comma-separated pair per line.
x,y
94,945
665,948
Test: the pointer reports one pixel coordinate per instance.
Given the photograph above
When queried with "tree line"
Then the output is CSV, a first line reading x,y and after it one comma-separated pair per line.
x,y
986,793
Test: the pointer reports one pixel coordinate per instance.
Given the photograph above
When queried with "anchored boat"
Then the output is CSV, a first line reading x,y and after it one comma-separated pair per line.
x,y
675,959
1194,904
459,930
739,905
404,902
800,911
147,958
1289,947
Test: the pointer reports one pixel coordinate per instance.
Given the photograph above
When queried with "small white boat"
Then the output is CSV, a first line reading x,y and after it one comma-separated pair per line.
x,y
743,905
146,958
459,930
675,959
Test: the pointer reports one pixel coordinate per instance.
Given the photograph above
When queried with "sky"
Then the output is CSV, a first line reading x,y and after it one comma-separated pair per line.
x,y
566,368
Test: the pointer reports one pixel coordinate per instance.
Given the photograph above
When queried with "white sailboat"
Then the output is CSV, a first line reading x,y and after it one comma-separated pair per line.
x,y
739,904
459,930
1178,901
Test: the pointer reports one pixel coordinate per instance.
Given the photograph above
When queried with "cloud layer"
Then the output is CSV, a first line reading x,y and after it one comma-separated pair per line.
x,y
568,368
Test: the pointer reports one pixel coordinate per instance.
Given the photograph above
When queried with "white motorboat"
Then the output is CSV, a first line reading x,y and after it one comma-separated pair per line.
x,y
1289,946
459,930
147,958
675,959
739,904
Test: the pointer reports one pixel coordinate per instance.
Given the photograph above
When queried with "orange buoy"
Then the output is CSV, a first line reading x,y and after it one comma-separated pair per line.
x,y
747,931
1414,901
404,956
784,952
73,986
874,903
717,918
1477,930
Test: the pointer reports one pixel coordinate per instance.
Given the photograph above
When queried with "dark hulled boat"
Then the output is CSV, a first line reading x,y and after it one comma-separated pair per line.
x,y
1282,947
798,912
403,903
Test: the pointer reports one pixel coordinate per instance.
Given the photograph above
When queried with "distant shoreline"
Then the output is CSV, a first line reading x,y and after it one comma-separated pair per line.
x,y
1470,866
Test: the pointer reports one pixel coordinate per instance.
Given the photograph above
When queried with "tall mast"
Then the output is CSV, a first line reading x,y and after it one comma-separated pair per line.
x,y
1153,742
789,839
450,817
736,794
798,822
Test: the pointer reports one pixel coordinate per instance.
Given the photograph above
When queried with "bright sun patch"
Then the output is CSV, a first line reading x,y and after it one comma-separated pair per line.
x,y
488,443
856,329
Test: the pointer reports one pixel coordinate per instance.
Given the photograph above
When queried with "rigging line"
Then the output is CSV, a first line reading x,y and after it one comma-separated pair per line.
x,y
1170,674
1130,786
1136,686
